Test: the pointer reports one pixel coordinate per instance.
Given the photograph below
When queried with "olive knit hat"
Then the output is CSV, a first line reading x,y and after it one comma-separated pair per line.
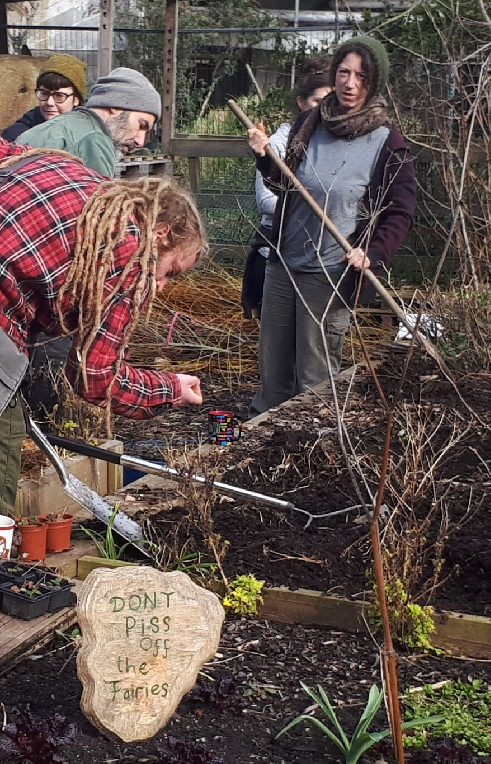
x,y
376,50
71,68
125,89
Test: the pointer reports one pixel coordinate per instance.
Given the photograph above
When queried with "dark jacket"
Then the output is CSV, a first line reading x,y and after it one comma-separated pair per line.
x,y
393,186
30,119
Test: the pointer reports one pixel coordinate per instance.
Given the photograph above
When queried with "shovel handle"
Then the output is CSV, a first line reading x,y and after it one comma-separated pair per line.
x,y
336,234
85,449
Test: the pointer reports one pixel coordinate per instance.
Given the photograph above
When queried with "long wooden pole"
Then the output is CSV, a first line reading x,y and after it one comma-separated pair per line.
x,y
336,234
105,45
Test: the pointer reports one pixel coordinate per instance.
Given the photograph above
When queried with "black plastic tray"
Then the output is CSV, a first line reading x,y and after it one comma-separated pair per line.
x,y
27,572
21,606
61,595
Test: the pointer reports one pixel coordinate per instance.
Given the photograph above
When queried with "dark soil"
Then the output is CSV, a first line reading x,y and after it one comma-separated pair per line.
x,y
257,673
295,455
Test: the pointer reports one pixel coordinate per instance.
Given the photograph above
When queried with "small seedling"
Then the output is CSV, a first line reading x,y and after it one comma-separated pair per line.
x,y
361,740
29,589
411,624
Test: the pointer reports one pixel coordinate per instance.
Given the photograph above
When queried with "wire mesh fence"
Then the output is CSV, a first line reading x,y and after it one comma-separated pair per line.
x,y
436,100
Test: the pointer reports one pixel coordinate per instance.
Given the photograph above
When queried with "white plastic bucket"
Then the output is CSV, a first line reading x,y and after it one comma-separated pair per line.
x,y
7,526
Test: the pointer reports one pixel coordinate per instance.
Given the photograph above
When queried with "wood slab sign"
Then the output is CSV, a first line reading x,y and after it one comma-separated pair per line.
x,y
145,636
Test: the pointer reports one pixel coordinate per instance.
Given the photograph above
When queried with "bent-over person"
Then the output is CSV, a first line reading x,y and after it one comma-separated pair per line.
x,y
84,256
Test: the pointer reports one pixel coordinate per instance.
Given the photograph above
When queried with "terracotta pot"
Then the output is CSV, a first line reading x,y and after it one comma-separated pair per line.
x,y
33,544
58,533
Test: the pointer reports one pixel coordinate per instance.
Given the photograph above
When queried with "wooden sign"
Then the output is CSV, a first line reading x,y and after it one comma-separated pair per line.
x,y
145,635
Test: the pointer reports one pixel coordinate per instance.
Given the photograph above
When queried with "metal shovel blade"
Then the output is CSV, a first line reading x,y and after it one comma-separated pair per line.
x,y
86,497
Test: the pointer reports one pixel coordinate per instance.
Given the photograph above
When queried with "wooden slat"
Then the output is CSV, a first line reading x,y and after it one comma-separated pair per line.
x,y
66,563
88,563
209,146
18,639
309,607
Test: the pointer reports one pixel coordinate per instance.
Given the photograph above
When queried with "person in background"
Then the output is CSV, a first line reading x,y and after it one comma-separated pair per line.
x,y
60,87
311,88
121,110
88,264
358,168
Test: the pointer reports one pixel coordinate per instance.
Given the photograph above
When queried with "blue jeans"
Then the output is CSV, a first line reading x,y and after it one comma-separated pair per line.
x,y
292,353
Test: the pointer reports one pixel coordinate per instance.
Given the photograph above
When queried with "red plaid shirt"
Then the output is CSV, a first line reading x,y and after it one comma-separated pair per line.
x,y
39,207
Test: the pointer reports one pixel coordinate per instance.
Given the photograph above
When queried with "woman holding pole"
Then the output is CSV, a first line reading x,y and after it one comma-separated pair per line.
x,y
357,167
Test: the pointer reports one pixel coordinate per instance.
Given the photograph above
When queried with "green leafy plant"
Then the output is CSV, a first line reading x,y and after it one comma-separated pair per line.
x,y
411,624
192,563
105,543
244,595
53,583
71,637
465,709
361,739
30,520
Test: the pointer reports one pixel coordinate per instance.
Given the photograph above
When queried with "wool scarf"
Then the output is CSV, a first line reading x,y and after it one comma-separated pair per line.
x,y
342,125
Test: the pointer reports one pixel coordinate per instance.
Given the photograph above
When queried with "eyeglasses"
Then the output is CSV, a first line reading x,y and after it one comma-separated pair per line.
x,y
58,97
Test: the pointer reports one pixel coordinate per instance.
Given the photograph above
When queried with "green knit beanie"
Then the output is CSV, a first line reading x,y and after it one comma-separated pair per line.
x,y
378,53
69,67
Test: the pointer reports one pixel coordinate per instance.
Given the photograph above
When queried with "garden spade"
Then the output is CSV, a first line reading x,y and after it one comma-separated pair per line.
x,y
85,496
153,468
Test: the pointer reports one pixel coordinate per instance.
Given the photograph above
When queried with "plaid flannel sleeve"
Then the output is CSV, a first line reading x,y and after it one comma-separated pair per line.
x,y
136,393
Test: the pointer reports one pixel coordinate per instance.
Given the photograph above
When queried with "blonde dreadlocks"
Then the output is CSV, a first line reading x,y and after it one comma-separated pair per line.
x,y
101,227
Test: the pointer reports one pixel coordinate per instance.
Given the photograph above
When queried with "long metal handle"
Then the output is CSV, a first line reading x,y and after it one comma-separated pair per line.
x,y
152,468
336,234
229,490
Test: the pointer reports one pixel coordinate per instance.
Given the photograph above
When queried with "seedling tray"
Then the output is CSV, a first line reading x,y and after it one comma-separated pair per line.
x,y
21,605
61,595
25,572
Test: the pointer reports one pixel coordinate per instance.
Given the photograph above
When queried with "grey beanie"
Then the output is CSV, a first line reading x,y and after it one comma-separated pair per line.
x,y
125,89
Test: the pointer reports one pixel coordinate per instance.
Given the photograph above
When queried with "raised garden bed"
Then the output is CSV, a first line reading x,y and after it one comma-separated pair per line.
x,y
293,454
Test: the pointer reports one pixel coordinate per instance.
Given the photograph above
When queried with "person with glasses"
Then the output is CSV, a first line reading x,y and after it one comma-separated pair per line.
x,y
354,162
60,88
122,108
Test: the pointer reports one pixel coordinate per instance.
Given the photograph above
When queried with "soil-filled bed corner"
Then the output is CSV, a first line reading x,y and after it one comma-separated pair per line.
x,y
255,693
294,454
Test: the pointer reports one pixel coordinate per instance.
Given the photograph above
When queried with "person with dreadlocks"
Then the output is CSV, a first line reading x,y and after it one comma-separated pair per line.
x,y
357,167
83,256
122,107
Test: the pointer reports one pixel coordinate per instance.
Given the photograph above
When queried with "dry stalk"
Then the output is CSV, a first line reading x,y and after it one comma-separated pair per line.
x,y
195,513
